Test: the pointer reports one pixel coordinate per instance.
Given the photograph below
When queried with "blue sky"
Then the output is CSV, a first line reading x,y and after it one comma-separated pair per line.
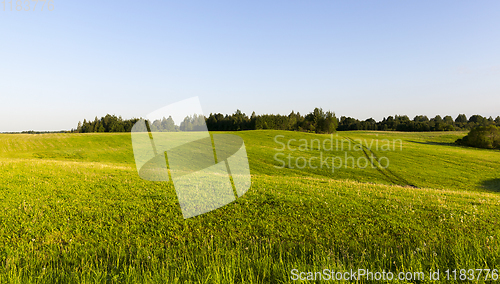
x,y
357,58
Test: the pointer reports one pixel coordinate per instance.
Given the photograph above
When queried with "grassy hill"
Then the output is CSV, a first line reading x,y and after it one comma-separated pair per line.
x,y
75,211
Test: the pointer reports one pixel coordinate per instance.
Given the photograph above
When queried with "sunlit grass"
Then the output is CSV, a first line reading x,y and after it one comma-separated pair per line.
x,y
90,219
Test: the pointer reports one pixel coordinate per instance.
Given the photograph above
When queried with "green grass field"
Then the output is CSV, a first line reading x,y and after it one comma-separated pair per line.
x,y
74,210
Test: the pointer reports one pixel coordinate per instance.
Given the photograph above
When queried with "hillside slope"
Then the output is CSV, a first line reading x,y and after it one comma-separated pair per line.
x,y
430,160
75,211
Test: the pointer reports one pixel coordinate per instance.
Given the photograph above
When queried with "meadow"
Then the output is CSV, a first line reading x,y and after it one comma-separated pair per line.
x,y
74,210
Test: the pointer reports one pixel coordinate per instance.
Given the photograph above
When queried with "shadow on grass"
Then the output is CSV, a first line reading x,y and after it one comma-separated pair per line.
x,y
436,143
492,184
453,144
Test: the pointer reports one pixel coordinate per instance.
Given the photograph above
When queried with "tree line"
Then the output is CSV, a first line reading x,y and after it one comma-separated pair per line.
x,y
108,123
317,121
418,123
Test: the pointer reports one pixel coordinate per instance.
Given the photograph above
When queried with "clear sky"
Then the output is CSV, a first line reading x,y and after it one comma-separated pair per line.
x,y
357,58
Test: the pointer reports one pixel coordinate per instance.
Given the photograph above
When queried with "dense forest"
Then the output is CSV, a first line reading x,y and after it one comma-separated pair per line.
x,y
317,121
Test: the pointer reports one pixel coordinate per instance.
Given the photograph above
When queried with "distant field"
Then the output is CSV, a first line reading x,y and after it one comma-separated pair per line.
x,y
75,211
